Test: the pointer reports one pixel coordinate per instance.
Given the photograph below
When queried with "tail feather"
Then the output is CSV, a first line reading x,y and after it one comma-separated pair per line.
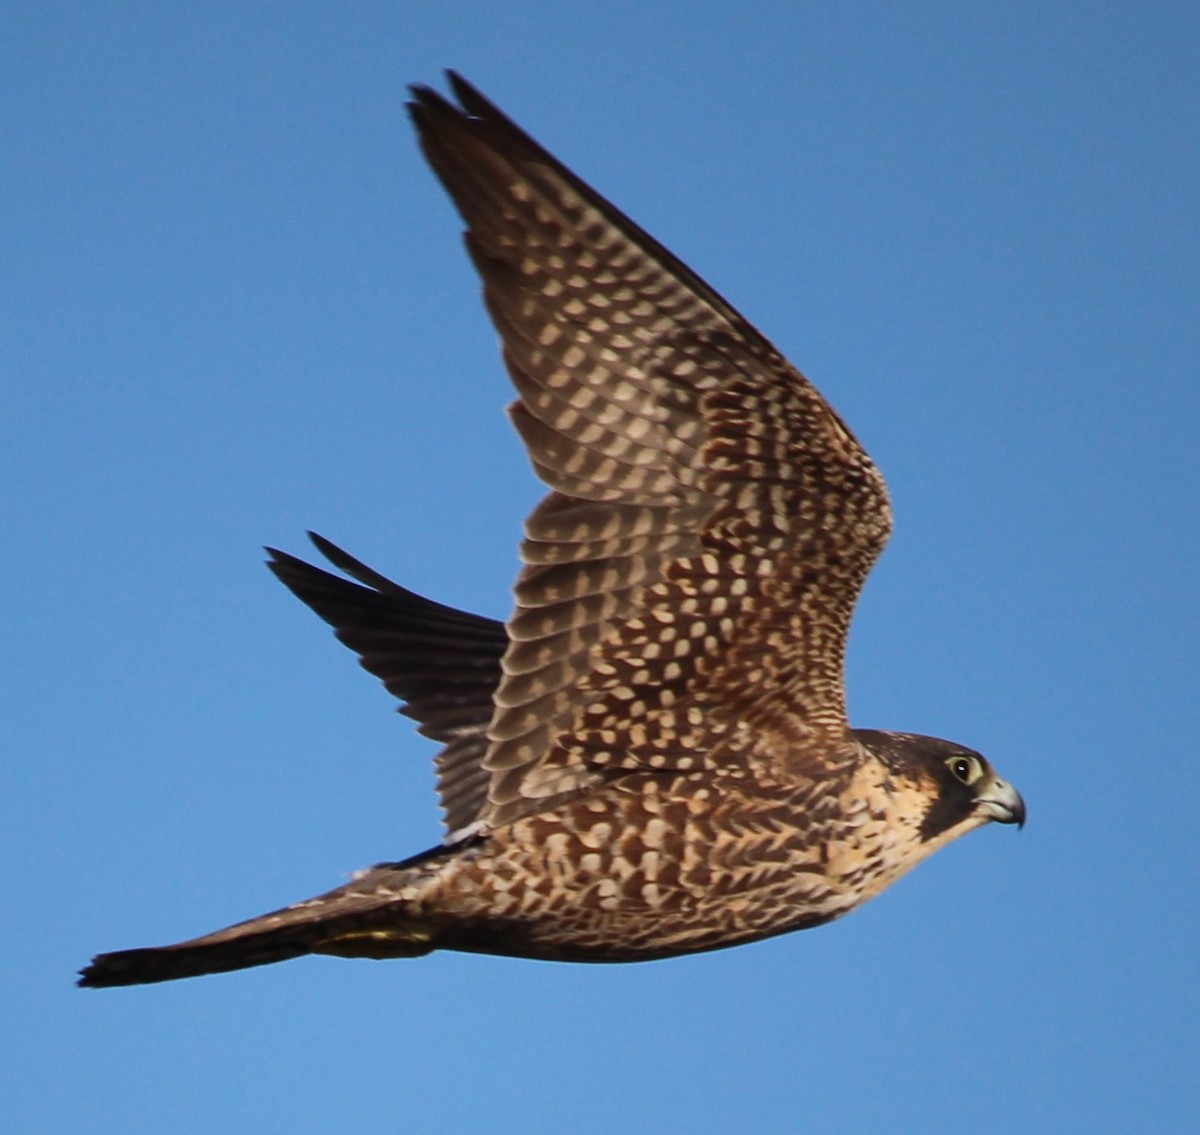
x,y
168,963
343,923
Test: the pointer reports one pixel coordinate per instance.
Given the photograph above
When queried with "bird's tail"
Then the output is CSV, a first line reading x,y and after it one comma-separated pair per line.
x,y
349,922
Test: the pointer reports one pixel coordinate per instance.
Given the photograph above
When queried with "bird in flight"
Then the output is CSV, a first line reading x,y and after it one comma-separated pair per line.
x,y
652,756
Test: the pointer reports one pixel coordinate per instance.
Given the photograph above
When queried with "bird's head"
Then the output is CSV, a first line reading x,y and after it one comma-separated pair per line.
x,y
963,788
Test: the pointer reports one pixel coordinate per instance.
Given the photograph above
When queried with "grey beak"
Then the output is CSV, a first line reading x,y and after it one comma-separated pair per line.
x,y
1002,803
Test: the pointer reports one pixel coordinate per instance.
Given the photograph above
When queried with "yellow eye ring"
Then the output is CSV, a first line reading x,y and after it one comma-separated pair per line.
x,y
966,769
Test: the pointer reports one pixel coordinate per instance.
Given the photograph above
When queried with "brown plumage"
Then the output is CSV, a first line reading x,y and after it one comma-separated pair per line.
x,y
652,756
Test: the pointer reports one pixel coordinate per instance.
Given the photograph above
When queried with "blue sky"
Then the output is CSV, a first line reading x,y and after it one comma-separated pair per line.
x,y
234,305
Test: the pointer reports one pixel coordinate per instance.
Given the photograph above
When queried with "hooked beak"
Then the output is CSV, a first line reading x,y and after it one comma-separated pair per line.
x,y
1002,803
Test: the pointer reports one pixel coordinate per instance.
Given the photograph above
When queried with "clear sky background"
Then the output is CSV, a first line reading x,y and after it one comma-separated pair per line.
x,y
234,305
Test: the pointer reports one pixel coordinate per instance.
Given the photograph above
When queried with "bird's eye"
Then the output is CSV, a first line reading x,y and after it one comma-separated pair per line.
x,y
967,769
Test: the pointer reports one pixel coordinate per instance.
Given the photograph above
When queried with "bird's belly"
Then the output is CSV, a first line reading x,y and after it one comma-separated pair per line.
x,y
621,877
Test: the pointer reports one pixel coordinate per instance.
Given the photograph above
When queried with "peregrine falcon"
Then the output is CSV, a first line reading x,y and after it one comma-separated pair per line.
x,y
652,756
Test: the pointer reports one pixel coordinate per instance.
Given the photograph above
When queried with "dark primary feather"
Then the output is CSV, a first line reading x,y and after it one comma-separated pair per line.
x,y
443,664
711,520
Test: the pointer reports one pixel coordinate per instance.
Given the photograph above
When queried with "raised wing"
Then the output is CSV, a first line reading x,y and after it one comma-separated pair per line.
x,y
690,579
443,664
